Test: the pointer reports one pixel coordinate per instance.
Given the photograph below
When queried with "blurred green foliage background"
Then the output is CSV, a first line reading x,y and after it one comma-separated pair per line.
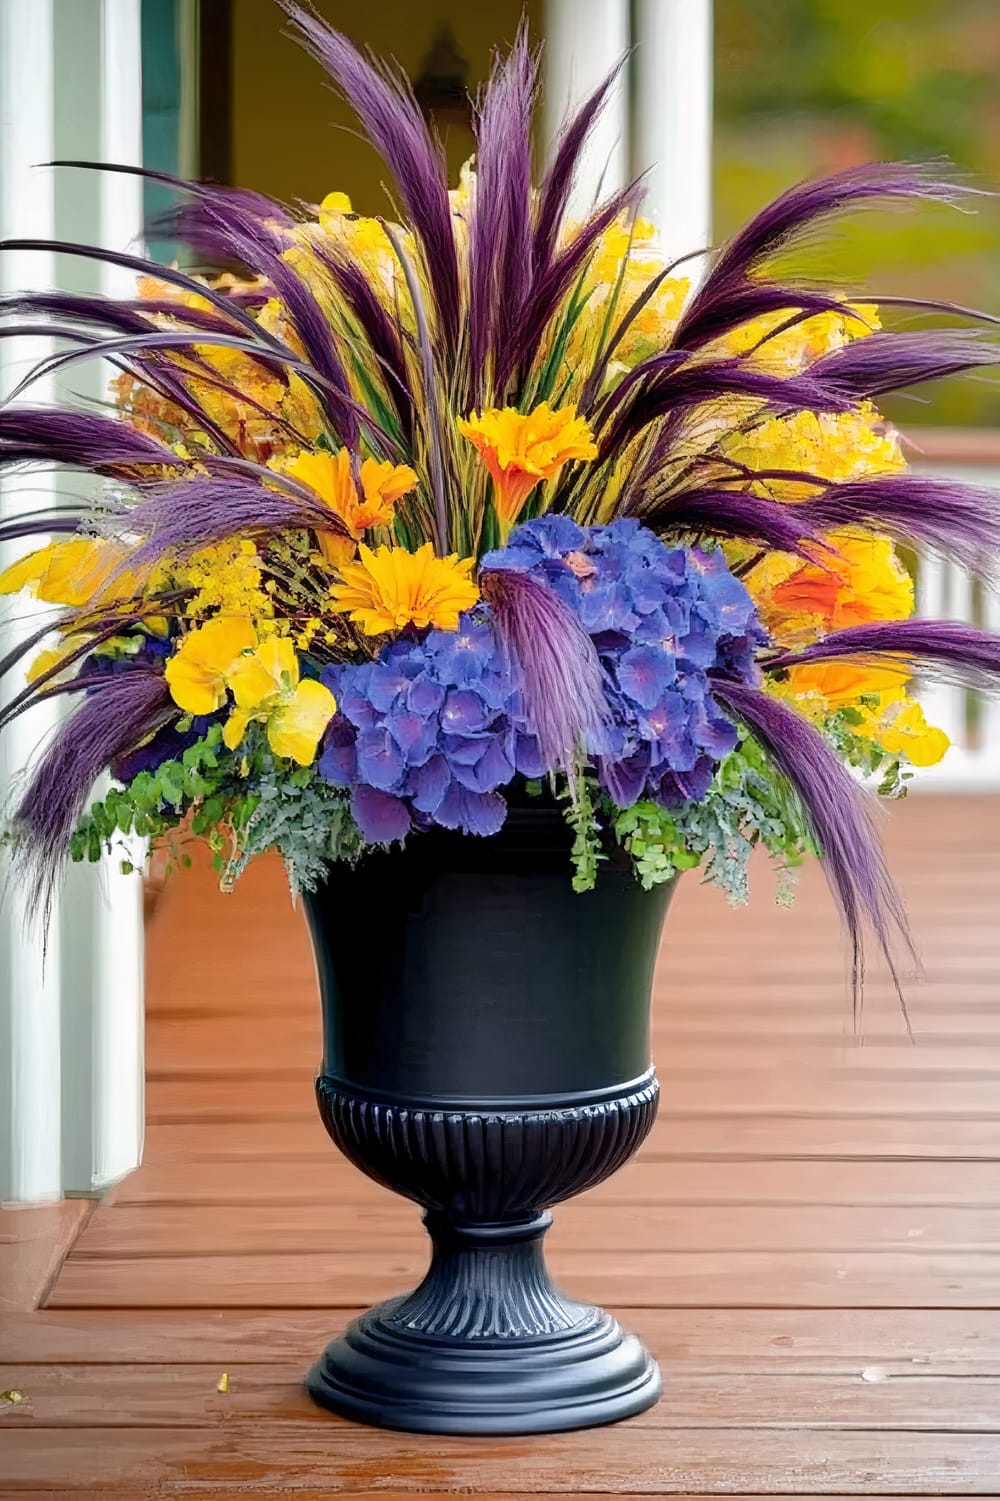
x,y
810,86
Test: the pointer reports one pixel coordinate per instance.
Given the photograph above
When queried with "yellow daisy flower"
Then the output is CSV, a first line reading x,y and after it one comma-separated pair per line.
x,y
390,588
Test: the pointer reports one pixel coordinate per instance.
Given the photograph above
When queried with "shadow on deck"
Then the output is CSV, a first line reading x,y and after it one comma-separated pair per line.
x,y
807,1241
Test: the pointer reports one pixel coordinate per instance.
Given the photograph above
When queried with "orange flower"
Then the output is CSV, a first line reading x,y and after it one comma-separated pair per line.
x,y
522,449
861,581
329,476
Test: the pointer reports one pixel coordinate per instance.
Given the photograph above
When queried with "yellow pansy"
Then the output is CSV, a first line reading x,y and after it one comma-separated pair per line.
x,y
910,735
196,673
266,686
521,449
390,588
330,477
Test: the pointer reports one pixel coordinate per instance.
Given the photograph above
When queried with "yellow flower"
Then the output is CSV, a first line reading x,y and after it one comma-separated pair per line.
x,y
883,710
74,572
196,673
226,577
911,736
391,588
862,581
841,446
265,684
329,476
521,449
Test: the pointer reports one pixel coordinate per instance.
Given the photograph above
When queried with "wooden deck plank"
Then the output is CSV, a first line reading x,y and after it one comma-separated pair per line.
x,y
34,1242
187,1396
712,1278
184,1229
783,1340
294,1456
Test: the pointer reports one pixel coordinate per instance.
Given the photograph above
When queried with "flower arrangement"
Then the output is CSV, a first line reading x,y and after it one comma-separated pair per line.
x,y
408,515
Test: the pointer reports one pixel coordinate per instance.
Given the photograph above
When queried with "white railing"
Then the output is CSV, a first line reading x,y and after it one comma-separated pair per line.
x,y
944,592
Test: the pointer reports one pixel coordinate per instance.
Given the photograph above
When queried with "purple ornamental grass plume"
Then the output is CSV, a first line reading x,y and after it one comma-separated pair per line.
x,y
182,516
557,184
891,361
384,102
661,388
551,284
500,239
788,220
946,649
555,661
834,805
225,228
117,713
959,522
83,440
381,330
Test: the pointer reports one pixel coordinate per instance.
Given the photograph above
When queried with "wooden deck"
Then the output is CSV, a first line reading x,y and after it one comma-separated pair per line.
x,y
807,1241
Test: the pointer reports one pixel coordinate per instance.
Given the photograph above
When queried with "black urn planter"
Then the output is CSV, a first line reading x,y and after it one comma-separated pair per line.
x,y
486,1054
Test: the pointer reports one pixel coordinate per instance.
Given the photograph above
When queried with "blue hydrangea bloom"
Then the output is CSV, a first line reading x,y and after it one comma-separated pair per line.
x,y
428,733
432,731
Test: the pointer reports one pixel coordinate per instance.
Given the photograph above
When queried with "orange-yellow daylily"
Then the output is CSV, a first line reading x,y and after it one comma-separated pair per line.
x,y
390,588
196,673
329,476
265,684
521,449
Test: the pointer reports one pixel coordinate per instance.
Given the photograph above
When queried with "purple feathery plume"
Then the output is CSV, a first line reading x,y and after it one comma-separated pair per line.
x,y
959,522
118,712
82,440
223,225
556,661
658,388
789,219
500,244
224,303
834,806
381,331
557,184
384,102
553,282
733,513
889,362
758,300
946,649
180,517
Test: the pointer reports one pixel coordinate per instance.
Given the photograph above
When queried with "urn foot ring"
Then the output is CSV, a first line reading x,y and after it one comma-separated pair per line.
x,y
379,1374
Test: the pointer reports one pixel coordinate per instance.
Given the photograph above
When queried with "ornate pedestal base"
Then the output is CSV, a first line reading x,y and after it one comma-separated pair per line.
x,y
486,1345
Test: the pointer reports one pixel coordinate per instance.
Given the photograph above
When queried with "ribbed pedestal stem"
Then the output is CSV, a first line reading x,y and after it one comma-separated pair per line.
x,y
487,1282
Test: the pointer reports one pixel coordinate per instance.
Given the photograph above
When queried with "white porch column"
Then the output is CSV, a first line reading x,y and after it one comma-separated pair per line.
x,y
30,1073
583,41
71,1066
672,116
